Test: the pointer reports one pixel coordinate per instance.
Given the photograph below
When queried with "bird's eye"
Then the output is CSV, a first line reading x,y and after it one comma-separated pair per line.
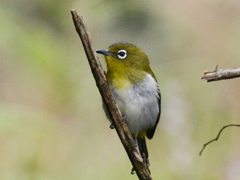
x,y
122,54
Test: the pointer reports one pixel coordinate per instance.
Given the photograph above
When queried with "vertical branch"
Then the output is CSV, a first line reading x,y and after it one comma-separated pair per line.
x,y
124,134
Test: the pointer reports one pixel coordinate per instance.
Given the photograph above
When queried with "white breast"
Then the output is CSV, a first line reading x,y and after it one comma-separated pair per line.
x,y
139,104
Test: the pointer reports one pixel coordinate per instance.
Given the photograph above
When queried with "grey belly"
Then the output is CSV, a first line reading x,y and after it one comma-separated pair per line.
x,y
140,108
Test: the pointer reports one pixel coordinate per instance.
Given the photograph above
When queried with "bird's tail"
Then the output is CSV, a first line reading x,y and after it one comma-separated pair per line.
x,y
141,142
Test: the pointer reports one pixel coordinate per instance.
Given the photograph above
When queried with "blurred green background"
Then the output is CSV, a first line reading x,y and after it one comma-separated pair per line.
x,y
52,125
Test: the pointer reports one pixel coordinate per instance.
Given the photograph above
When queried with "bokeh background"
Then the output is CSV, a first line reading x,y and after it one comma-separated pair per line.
x,y
52,125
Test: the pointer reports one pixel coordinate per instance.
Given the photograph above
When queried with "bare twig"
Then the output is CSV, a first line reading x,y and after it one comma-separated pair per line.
x,y
219,133
221,74
124,134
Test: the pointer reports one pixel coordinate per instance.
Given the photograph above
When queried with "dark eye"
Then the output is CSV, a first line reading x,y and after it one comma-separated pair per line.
x,y
122,54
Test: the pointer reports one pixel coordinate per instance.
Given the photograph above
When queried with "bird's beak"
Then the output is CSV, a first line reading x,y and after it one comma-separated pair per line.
x,y
105,52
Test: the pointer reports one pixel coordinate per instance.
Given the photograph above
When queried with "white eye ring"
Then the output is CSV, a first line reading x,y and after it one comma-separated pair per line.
x,y
122,54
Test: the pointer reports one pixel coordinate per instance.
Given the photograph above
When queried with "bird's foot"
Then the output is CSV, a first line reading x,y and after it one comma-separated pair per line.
x,y
112,126
133,171
145,160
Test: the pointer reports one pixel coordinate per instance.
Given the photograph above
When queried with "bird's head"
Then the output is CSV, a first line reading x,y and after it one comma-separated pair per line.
x,y
124,56
126,64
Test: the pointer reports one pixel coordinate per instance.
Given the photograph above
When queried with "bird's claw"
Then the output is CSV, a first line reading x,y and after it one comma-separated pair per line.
x,y
112,126
133,171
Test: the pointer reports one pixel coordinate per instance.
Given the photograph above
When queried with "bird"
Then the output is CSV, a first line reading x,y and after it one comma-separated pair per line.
x,y
135,90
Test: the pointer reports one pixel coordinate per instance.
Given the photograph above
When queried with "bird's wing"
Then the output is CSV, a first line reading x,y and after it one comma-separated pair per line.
x,y
151,131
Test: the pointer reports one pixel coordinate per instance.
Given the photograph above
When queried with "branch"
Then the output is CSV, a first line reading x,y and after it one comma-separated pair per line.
x,y
219,133
221,74
124,134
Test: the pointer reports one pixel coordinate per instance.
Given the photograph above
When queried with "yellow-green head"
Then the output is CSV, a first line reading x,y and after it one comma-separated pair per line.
x,y
126,64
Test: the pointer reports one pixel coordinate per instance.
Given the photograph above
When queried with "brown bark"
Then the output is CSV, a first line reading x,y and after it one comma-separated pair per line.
x,y
124,134
221,74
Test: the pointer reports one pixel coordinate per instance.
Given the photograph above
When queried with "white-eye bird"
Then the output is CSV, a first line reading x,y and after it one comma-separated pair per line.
x,y
135,90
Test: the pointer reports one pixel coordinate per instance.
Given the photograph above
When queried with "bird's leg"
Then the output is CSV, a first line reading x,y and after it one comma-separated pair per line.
x,y
124,117
136,141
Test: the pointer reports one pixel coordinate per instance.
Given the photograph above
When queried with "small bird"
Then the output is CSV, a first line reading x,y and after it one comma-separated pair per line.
x,y
135,90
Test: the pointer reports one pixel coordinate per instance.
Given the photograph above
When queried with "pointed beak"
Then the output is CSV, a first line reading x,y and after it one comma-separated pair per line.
x,y
105,52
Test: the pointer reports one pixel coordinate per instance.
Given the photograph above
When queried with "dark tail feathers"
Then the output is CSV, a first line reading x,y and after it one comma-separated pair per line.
x,y
142,146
